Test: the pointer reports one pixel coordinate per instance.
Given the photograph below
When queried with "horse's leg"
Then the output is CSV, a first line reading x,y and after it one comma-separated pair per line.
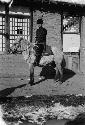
x,y
31,74
61,72
59,68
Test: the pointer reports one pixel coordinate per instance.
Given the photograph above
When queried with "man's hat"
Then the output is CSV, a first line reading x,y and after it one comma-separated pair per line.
x,y
39,21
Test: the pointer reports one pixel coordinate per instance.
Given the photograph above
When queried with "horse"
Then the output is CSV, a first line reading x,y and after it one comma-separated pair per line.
x,y
28,51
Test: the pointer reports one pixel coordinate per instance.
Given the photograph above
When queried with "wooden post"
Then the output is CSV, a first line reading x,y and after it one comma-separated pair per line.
x,y
31,25
61,47
31,36
7,28
82,46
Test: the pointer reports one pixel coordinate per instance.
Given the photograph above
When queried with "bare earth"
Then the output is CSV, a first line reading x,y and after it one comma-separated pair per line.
x,y
11,85
14,86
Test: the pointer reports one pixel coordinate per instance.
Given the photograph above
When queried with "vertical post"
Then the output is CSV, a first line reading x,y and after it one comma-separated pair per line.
x,y
31,25
82,46
31,35
7,28
61,47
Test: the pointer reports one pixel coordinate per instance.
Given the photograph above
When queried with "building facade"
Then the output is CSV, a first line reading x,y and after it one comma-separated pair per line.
x,y
64,23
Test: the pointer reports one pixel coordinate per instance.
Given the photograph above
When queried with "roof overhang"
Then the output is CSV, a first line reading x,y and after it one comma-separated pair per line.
x,y
78,2
54,5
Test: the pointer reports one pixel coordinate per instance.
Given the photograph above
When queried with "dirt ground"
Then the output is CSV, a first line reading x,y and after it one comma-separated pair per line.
x,y
12,85
18,85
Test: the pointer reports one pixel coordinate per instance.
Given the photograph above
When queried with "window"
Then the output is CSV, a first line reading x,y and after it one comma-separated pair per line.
x,y
19,25
71,33
2,29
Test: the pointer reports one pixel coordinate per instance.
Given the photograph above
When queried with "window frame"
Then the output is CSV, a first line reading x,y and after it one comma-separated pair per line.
x,y
2,33
63,32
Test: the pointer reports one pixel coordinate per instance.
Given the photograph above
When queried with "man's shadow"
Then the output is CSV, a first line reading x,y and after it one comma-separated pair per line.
x,y
8,91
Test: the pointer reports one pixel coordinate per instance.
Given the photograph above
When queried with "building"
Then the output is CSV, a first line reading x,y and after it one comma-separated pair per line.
x,y
63,19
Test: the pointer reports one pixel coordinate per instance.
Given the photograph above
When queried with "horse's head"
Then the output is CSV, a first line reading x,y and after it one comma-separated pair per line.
x,y
17,46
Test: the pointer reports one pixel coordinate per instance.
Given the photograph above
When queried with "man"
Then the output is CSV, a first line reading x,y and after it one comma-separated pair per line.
x,y
40,40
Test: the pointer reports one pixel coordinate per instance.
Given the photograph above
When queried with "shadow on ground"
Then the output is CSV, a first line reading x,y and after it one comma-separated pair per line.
x,y
8,91
49,73
68,74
